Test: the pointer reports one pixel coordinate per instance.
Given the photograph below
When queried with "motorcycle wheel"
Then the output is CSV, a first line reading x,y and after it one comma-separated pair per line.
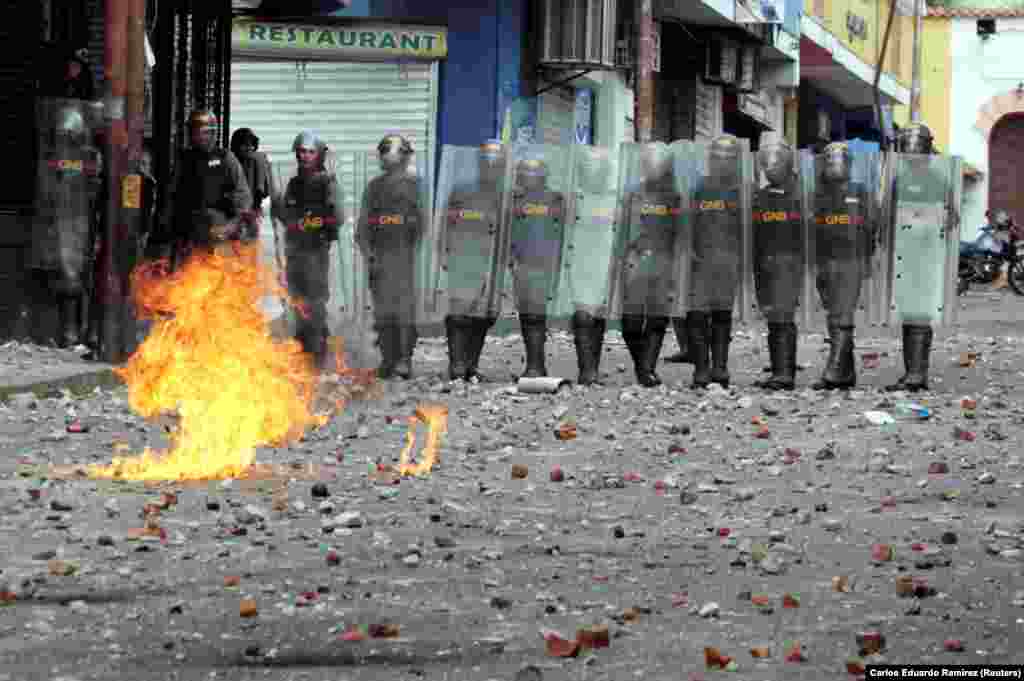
x,y
1016,277
962,285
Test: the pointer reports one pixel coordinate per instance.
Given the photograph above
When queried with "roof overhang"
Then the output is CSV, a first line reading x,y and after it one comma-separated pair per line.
x,y
837,71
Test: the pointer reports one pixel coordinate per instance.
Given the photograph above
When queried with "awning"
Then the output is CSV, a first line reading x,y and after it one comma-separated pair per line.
x,y
700,12
836,70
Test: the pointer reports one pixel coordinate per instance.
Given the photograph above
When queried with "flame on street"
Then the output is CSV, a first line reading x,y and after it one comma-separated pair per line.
x,y
211,359
436,418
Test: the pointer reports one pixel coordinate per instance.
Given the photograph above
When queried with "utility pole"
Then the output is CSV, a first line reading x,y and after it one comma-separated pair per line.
x,y
915,86
643,101
123,66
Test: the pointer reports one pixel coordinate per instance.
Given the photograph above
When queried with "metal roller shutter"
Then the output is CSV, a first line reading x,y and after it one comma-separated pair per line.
x,y
352,105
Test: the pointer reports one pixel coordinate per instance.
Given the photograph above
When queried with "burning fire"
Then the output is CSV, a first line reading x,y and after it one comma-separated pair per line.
x,y
211,359
435,417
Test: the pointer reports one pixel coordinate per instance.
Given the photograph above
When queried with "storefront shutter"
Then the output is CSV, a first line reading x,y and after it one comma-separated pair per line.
x,y
351,105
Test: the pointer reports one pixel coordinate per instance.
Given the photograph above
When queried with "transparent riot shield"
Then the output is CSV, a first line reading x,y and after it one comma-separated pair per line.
x,y
591,256
923,239
394,238
719,218
845,230
777,290
538,203
67,182
653,239
470,233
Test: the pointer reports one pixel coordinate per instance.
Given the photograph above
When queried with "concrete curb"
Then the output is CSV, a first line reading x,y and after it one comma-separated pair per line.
x,y
78,382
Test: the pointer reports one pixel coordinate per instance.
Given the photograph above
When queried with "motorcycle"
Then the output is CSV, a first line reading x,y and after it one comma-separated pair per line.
x,y
1001,244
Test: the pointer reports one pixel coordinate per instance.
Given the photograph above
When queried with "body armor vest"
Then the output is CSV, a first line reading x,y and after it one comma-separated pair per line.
x,y
309,213
778,223
206,181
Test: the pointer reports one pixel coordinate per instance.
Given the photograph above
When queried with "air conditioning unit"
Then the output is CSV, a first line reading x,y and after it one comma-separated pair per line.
x,y
578,33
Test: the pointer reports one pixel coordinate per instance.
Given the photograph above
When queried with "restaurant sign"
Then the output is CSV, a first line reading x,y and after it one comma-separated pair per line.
x,y
312,41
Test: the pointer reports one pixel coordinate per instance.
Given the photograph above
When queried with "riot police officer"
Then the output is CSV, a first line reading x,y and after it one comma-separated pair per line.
x,y
843,224
717,262
62,235
390,229
311,209
924,223
779,262
207,195
473,234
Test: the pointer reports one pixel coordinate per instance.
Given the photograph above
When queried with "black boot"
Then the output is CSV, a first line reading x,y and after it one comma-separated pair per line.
x,y
386,342
458,330
683,356
633,337
596,345
654,334
782,350
535,333
405,345
69,331
841,371
583,326
699,337
478,339
721,336
917,348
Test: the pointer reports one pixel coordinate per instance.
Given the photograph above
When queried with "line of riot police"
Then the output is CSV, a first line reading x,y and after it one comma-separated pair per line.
x,y
699,235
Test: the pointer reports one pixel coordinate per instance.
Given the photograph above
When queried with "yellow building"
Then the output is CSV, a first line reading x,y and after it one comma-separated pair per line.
x,y
839,52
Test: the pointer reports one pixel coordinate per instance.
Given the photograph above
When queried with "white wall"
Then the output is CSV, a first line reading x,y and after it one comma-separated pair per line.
x,y
981,70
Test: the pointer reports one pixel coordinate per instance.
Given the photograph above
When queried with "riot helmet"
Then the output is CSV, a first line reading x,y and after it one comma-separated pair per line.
x,y
203,127
492,162
594,167
244,142
310,150
655,162
777,163
1001,219
531,174
915,139
69,125
395,152
723,158
837,162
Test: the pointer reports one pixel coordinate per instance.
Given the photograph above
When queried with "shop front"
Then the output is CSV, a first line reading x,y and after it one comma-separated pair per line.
x,y
351,81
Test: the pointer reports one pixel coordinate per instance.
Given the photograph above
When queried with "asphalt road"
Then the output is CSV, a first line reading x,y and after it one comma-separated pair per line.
x,y
683,521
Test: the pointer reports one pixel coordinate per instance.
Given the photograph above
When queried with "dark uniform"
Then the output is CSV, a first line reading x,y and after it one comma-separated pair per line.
x,y
312,212
779,261
391,225
842,225
207,194
538,229
717,263
652,215
62,227
472,250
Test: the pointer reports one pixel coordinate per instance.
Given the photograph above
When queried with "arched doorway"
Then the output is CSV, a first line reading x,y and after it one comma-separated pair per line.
x,y
1005,167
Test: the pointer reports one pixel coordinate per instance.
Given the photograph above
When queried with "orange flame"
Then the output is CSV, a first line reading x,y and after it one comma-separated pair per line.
x,y
210,357
435,416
